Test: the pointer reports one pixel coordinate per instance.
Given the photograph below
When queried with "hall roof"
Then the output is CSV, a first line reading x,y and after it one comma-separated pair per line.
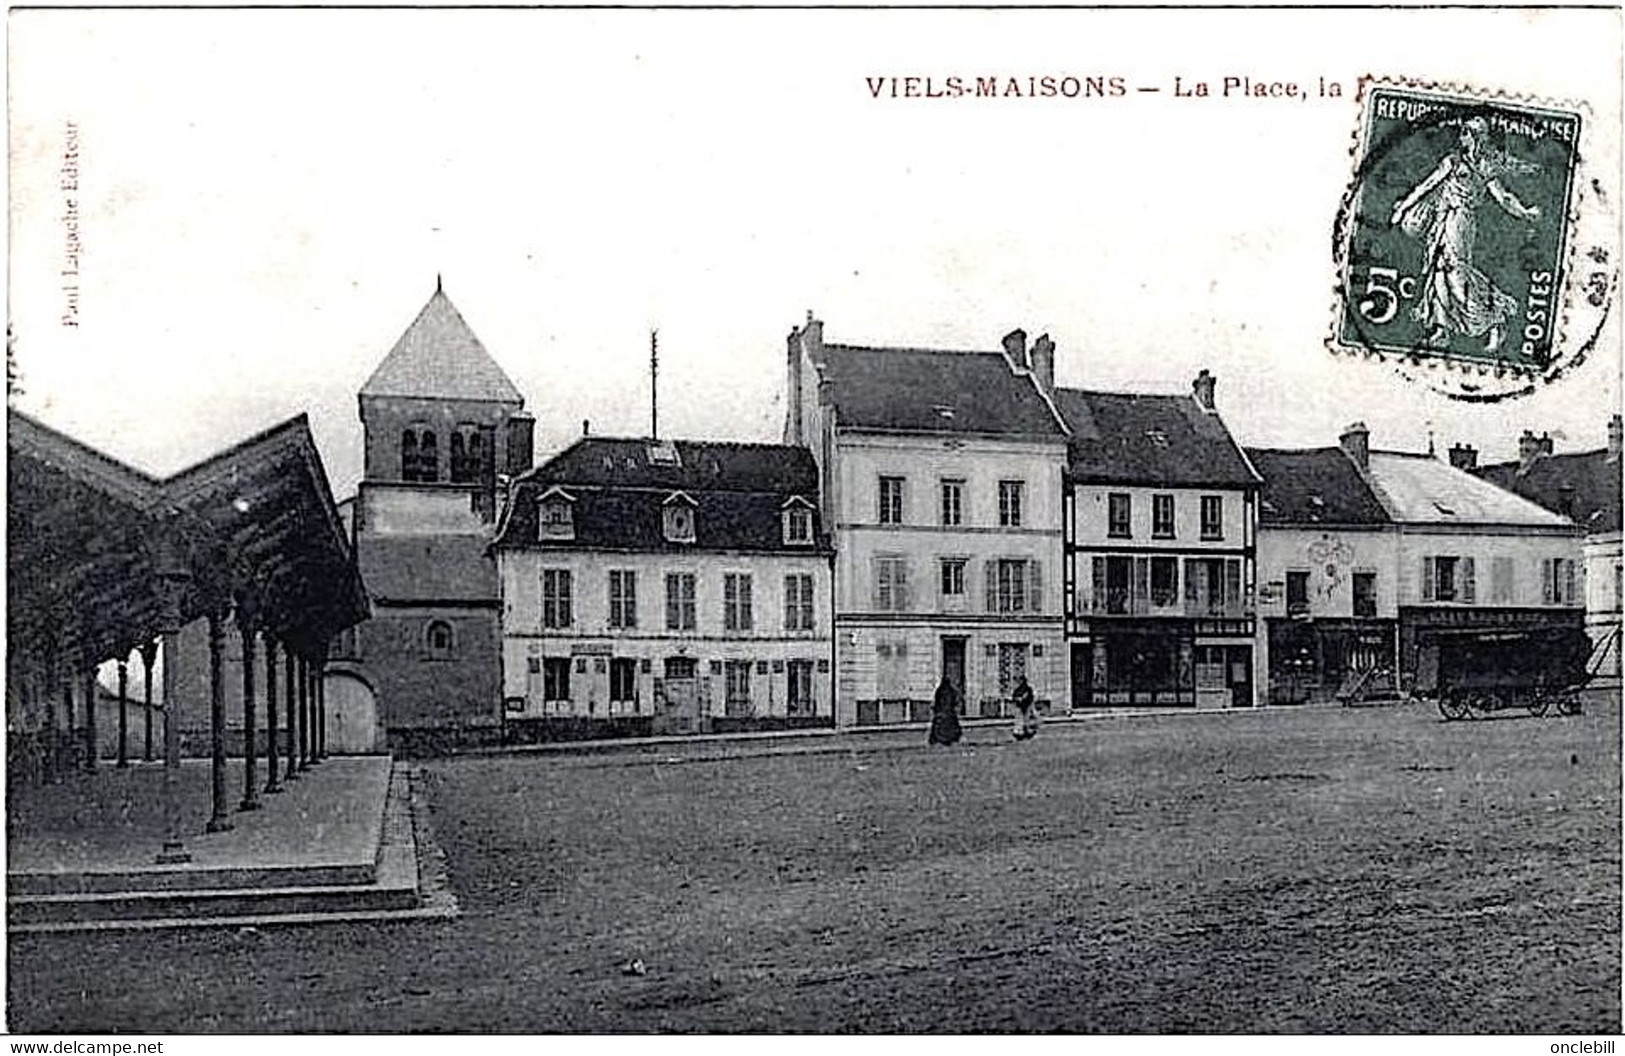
x,y
88,535
439,357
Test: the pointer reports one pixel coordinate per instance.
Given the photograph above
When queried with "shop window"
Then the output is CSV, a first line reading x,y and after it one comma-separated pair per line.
x,y
623,680
556,678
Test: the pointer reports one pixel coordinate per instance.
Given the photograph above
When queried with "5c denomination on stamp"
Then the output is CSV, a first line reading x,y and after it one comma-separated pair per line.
x,y
1457,240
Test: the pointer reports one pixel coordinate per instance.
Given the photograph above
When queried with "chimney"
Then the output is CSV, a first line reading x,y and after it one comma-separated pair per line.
x,y
1614,438
521,443
1464,456
792,399
1041,361
1356,443
1015,348
1531,447
586,427
1202,389
812,338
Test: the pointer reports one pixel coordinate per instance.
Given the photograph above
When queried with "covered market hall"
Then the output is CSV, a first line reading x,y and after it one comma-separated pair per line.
x,y
105,567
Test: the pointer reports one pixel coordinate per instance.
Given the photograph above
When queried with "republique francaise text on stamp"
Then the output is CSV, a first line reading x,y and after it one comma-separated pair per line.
x,y
1457,242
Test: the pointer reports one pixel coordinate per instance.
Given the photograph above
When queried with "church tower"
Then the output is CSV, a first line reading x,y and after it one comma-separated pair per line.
x,y
445,428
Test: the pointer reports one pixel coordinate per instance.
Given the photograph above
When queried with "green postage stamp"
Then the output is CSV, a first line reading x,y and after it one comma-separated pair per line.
x,y
1463,242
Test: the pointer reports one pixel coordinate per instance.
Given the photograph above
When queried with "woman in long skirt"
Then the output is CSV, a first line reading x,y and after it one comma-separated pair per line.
x,y
945,715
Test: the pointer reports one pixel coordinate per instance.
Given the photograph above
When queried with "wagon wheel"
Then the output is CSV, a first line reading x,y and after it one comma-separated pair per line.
x,y
1539,702
1453,706
1568,702
1480,704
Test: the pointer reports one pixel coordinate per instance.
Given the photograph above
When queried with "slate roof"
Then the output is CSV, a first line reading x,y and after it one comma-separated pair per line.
x,y
439,357
404,568
620,490
1420,489
1315,486
1594,502
1139,438
934,391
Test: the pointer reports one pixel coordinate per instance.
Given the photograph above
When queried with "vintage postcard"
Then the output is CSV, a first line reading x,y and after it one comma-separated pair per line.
x,y
813,521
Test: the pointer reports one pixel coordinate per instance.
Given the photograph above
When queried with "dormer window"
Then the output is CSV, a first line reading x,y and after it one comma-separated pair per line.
x,y
798,522
556,515
677,518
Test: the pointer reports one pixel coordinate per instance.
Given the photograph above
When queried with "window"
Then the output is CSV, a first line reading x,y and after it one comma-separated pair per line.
x,y
891,583
623,680
1557,579
557,520
681,668
1213,587
556,607
736,680
952,577
1502,589
677,521
420,460
1212,516
1162,516
1119,509
891,500
1365,594
798,525
1012,585
623,600
1297,593
1011,493
736,614
891,670
468,455
953,503
1448,578
1012,666
1164,582
799,696
438,639
680,610
556,678
798,602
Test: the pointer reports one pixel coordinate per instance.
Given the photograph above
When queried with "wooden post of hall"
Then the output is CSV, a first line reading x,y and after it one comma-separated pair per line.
x,y
247,618
290,668
124,712
273,781
92,748
219,819
149,656
304,715
318,713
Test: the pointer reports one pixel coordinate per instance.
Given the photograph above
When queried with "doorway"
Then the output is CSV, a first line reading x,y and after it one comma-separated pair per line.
x,y
953,665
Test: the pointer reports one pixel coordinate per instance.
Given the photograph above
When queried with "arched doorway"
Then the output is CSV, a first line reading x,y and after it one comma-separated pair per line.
x,y
352,715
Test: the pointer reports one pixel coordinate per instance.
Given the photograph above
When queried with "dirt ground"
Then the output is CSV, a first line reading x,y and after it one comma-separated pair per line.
x,y
1323,870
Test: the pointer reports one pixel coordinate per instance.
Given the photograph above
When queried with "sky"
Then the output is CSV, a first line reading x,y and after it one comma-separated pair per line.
x,y
266,198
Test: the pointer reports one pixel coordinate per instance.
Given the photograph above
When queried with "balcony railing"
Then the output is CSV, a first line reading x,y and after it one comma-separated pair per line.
x,y
1160,603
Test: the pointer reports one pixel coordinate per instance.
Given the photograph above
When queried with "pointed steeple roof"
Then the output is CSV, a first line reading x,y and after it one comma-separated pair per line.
x,y
438,357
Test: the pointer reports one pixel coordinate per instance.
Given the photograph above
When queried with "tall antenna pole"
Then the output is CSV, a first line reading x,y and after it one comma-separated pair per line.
x,y
654,384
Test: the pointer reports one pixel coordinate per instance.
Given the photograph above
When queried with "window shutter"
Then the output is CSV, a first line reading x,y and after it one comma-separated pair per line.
x,y
1427,579
1097,577
1548,582
1191,570
791,593
874,583
901,587
1570,595
992,585
1035,586
1142,581
1468,587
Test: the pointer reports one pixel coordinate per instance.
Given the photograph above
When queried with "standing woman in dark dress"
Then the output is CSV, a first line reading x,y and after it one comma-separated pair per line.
x,y
945,715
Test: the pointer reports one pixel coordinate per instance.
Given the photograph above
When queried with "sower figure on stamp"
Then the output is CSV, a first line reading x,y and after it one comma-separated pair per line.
x,y
1456,296
1026,710
945,714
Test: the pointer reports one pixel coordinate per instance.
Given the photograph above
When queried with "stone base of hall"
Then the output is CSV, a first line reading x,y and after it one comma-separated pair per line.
x,y
888,673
